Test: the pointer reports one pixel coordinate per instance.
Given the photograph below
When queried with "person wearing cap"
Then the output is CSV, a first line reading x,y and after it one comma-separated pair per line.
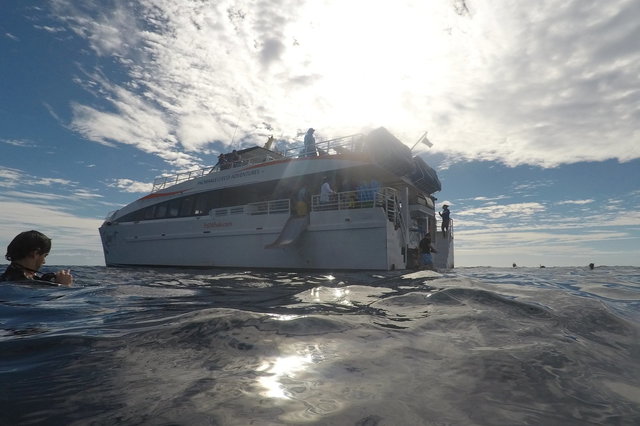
x,y
444,214
27,253
310,144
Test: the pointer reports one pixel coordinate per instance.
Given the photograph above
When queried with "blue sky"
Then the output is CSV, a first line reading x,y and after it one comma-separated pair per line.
x,y
533,110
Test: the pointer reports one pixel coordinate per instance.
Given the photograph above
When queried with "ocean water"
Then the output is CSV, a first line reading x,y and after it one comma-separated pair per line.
x,y
471,346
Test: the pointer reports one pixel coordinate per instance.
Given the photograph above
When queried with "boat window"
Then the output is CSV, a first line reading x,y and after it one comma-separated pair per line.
x,y
203,204
148,212
161,211
186,207
174,208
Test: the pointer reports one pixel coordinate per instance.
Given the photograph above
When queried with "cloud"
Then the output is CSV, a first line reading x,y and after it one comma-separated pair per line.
x,y
86,194
497,198
527,187
24,188
504,210
542,84
50,29
18,142
10,178
52,182
576,202
128,185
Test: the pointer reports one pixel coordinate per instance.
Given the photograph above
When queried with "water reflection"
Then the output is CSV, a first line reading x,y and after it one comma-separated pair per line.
x,y
279,370
324,295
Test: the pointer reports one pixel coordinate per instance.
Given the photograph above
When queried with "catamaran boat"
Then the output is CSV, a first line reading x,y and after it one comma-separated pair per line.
x,y
263,209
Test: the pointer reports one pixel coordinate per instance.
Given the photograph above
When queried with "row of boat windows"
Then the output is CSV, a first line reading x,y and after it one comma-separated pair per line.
x,y
179,207
199,204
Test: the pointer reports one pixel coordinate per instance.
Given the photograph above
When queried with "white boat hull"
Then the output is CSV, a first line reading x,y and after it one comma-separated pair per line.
x,y
338,239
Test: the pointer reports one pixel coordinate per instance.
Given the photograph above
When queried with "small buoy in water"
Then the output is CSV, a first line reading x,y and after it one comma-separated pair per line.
x,y
591,266
542,266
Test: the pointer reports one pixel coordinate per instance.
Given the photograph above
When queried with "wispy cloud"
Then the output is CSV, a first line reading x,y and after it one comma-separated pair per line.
x,y
10,178
575,202
542,85
497,198
50,29
18,142
128,185
23,187
527,187
498,211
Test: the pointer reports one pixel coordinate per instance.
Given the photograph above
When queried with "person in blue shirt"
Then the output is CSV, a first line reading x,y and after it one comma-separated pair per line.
x,y
27,253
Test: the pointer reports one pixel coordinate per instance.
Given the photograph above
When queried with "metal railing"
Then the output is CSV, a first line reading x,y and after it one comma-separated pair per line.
x,y
282,206
165,181
360,199
352,143
269,207
342,145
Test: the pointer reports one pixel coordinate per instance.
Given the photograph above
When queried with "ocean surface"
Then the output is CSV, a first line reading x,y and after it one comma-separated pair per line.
x,y
471,346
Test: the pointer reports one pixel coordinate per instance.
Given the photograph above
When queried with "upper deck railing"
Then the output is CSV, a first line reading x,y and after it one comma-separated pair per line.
x,y
351,143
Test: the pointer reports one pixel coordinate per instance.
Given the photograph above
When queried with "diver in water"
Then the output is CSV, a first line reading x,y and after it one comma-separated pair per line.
x,y
27,253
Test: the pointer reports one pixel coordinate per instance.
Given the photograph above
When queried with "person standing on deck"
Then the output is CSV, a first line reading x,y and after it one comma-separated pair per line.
x,y
426,260
325,191
444,214
310,144
269,142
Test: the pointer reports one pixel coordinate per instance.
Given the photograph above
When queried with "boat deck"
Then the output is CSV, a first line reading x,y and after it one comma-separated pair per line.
x,y
342,145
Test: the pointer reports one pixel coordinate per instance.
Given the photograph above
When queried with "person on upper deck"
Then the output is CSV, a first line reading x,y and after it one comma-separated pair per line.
x,y
235,158
310,144
444,214
223,161
269,142
27,253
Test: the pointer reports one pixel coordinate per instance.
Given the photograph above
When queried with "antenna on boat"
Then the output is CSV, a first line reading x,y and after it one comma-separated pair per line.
x,y
424,139
233,138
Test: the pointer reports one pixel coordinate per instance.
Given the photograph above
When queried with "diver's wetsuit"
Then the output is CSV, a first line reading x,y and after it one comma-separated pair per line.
x,y
15,272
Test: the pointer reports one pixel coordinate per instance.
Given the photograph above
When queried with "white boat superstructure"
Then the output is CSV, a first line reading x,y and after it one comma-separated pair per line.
x,y
264,211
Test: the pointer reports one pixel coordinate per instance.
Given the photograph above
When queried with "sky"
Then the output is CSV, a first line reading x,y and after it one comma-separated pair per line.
x,y
533,109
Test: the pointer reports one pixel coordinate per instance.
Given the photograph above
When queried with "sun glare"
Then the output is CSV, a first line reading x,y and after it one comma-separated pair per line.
x,y
370,58
281,368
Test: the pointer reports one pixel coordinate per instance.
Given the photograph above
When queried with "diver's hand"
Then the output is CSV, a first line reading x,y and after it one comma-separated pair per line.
x,y
64,277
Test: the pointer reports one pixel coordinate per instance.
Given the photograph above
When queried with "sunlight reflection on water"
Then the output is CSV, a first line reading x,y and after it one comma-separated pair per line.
x,y
279,369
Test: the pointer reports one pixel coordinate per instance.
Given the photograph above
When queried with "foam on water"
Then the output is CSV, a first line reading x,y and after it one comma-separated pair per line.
x,y
478,346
